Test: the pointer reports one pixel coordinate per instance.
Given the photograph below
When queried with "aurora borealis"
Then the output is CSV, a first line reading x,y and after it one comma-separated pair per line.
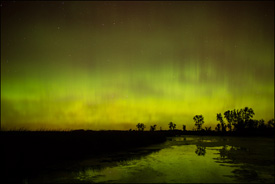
x,y
110,65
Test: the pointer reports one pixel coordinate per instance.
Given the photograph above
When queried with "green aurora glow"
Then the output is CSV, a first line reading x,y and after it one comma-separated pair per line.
x,y
111,65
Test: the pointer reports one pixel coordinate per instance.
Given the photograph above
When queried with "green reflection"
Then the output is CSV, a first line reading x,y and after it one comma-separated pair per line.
x,y
173,164
229,160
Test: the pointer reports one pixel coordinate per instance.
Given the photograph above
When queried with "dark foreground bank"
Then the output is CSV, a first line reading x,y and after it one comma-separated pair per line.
x,y
29,151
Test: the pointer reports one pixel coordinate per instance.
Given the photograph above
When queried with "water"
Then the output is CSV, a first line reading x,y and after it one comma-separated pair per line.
x,y
186,159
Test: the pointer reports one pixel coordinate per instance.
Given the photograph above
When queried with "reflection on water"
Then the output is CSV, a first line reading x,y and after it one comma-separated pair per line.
x,y
200,150
253,167
173,164
181,160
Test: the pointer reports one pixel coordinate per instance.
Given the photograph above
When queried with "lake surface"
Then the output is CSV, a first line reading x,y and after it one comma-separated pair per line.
x,y
184,159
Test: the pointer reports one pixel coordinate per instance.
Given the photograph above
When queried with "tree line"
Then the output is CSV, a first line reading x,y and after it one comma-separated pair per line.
x,y
241,120
236,120
172,126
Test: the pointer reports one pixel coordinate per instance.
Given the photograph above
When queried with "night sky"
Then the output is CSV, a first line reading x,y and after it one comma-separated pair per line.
x,y
111,65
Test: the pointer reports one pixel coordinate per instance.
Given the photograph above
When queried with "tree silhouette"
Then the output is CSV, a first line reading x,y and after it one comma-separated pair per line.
x,y
153,127
229,118
234,119
229,126
208,129
198,121
252,124
184,127
218,127
248,113
240,118
261,124
220,119
172,126
271,123
140,126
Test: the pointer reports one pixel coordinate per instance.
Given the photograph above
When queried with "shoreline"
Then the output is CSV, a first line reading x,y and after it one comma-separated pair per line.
x,y
28,152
